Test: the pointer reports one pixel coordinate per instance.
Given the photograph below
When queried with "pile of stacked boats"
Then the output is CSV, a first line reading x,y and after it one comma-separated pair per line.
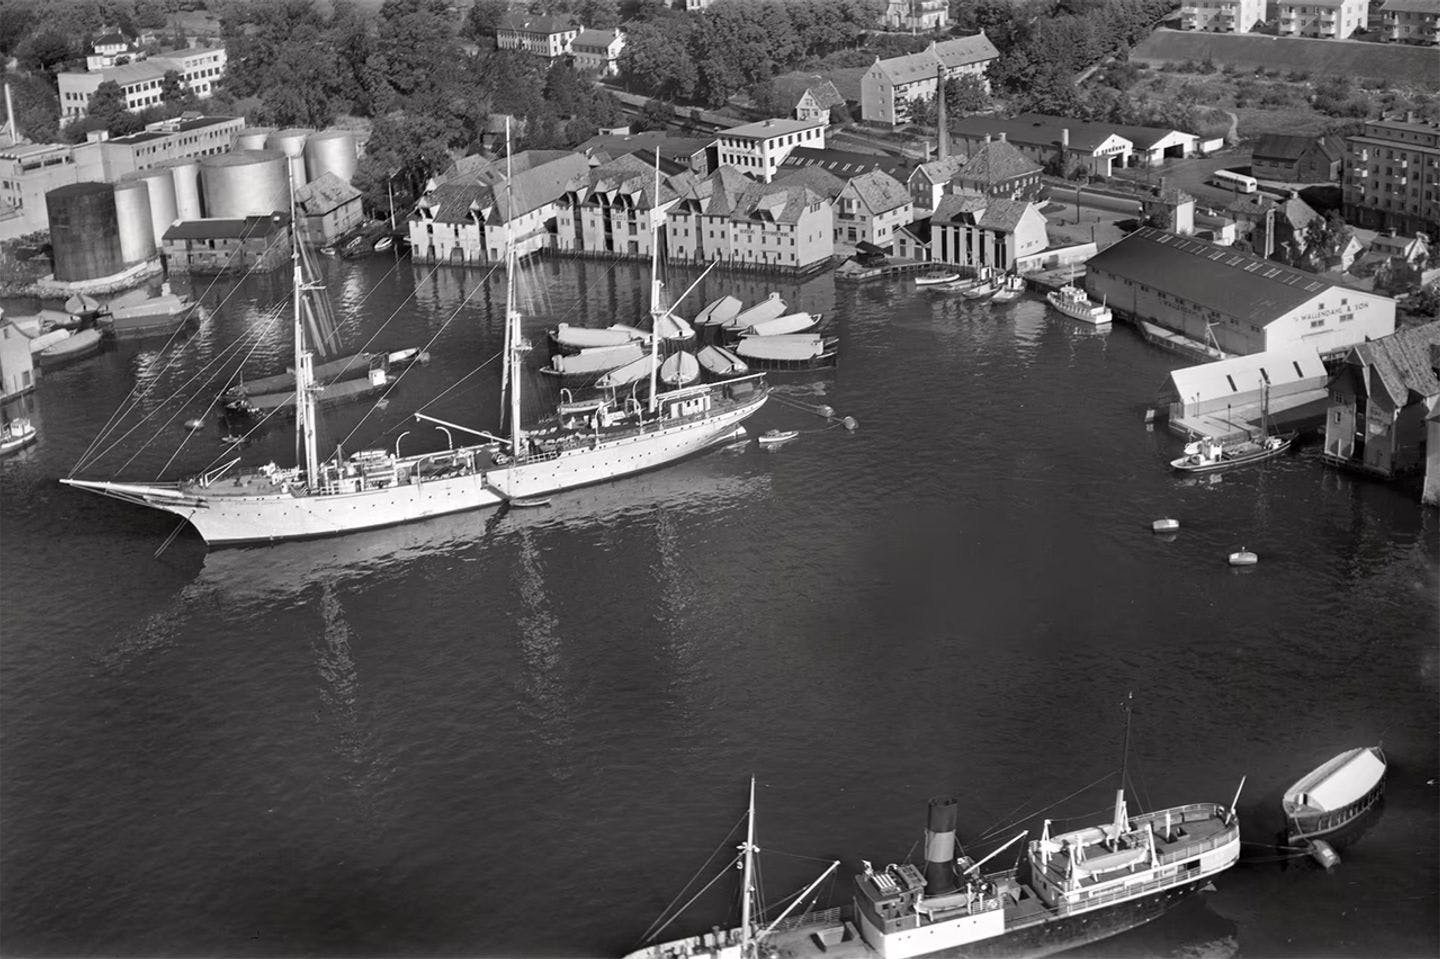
x,y
737,341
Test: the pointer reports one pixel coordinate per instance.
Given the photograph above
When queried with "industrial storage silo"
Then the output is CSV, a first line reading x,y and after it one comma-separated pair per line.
x,y
253,138
331,151
245,183
161,185
292,143
132,216
83,231
186,174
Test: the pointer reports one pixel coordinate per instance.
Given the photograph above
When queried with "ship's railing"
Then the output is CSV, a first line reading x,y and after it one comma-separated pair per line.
x,y
826,917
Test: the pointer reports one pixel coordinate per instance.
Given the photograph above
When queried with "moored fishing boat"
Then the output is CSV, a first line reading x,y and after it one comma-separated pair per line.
x,y
936,279
1011,288
721,363
580,444
1072,301
983,289
792,351
17,434
325,394
1070,888
1334,794
1210,455
71,349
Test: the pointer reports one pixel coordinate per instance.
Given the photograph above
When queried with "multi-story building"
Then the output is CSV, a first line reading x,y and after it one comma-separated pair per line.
x,y
30,170
1411,21
759,148
999,169
1392,176
968,229
889,85
181,138
241,245
543,36
611,209
694,6
1240,303
1297,159
783,226
1221,16
200,70
598,51
464,219
1329,19
1380,400
929,181
328,208
870,208
917,16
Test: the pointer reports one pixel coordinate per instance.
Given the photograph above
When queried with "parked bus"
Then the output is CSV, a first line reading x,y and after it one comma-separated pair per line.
x,y
1238,182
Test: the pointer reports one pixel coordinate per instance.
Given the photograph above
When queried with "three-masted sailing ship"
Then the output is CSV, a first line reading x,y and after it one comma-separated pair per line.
x,y
584,442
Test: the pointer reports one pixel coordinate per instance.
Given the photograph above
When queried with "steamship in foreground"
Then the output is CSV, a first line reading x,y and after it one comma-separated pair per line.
x,y
1069,889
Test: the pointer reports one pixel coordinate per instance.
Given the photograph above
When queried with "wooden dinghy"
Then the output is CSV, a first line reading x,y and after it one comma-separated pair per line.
x,y
719,312
680,369
780,325
575,338
721,363
593,362
72,349
767,309
794,351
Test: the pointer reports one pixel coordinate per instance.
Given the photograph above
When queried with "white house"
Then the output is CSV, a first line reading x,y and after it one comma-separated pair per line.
x,y
598,51
871,207
543,36
759,148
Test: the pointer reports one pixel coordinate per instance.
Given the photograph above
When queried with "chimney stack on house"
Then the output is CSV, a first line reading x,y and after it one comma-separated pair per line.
x,y
1065,137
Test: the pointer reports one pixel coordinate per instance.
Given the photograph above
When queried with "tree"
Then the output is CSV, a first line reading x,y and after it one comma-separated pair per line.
x,y
656,59
107,104
598,14
44,50
417,46
483,20
408,147
173,91
655,115
16,19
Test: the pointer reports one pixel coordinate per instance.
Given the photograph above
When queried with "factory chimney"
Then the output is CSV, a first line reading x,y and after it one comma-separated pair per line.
x,y
943,128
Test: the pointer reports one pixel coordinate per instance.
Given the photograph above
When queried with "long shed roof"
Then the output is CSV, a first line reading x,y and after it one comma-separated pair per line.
x,y
1252,372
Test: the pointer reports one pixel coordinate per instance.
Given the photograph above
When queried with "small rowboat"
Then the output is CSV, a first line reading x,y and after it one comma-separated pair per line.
x,y
571,339
631,372
529,502
18,434
328,250
781,325
680,369
1165,526
773,437
1243,557
719,311
194,424
44,341
1010,289
767,309
935,279
1334,794
384,243
593,362
721,363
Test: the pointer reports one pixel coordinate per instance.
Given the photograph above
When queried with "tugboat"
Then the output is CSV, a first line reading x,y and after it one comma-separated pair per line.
x,y
1071,888
17,434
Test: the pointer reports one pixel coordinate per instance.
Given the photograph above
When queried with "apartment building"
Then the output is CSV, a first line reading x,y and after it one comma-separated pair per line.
x,y
1392,177
1411,21
200,70
870,208
1221,16
598,51
610,210
889,85
1328,19
542,36
181,138
759,148
783,226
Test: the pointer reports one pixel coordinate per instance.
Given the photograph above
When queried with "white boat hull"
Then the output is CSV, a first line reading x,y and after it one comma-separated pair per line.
x,y
228,520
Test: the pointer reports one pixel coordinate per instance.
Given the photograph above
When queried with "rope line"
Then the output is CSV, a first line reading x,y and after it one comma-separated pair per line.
x,y
1028,816
652,930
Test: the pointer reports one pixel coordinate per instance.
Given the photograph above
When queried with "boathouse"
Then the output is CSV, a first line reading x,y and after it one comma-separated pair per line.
x,y
237,245
1227,397
1380,401
1218,297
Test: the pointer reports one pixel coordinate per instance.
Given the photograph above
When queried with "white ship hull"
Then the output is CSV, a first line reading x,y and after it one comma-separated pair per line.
x,y
228,520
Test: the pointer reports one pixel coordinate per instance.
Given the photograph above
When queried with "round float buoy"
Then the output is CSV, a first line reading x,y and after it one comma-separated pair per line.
x,y
850,423
1165,525
1243,558
195,424
1324,853
825,411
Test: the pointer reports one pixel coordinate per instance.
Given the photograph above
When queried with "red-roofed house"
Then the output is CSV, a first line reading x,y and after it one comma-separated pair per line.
x,y
1380,400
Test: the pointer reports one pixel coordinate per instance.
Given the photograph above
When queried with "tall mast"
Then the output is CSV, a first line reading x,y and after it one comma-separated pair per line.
x,y
304,369
749,850
512,316
655,282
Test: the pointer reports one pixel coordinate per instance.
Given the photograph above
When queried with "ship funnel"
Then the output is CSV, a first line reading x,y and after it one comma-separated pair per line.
x,y
940,847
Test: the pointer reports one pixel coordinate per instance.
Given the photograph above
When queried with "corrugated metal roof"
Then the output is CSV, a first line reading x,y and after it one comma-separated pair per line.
x,y
1215,277
1251,373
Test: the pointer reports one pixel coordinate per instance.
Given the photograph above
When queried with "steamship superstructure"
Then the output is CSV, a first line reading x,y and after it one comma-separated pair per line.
x,y
1068,889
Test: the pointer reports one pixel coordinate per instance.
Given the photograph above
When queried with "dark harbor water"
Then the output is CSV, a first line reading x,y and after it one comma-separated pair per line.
x,y
521,732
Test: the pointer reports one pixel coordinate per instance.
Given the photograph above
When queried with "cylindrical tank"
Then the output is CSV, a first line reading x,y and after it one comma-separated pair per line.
x,y
186,174
292,143
253,138
161,185
84,233
132,215
940,847
245,183
331,151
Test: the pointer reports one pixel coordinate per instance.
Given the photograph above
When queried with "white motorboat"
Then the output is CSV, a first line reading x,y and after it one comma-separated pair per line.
x,y
1072,301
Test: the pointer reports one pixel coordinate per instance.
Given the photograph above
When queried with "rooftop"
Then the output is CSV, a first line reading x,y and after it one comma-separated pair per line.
x,y
228,229
1280,146
1215,277
879,191
1035,129
959,52
765,129
844,163
1412,6
324,194
1403,362
792,86
523,23
997,162
988,213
